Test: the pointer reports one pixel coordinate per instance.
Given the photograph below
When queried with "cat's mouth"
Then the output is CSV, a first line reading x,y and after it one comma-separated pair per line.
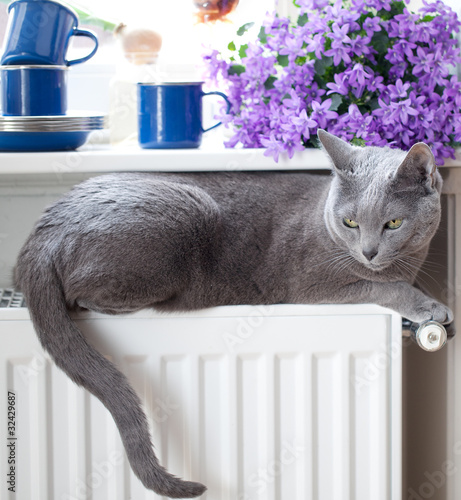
x,y
374,266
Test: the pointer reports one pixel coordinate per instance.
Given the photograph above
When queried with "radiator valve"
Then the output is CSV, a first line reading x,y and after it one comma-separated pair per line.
x,y
430,335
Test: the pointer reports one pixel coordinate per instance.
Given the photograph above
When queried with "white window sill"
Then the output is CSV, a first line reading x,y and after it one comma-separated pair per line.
x,y
115,159
99,158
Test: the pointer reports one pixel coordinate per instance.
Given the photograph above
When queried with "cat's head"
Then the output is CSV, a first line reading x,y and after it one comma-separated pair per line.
x,y
383,203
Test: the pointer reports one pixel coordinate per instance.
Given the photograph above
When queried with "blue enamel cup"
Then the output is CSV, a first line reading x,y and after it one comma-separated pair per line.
x,y
34,90
39,32
170,115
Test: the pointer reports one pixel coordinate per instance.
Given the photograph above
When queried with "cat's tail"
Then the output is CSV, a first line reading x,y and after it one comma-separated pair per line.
x,y
71,352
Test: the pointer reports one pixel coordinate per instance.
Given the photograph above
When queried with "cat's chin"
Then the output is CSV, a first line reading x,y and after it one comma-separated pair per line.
x,y
376,267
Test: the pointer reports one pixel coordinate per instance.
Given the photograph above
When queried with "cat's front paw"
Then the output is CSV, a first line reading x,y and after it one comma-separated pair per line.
x,y
432,310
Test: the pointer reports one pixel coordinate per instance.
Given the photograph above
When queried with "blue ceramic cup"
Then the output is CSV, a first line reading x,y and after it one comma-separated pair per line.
x,y
34,90
39,32
170,115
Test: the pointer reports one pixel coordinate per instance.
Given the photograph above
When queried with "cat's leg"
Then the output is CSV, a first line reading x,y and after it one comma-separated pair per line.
x,y
399,296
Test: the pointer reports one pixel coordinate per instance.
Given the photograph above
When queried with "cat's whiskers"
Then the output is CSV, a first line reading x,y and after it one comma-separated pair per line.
x,y
340,264
427,263
416,266
405,268
331,258
414,270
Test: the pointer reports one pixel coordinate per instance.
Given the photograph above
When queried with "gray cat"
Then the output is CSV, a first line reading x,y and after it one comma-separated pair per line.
x,y
123,242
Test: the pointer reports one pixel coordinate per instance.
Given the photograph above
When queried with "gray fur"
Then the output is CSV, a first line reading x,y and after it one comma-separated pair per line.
x,y
123,242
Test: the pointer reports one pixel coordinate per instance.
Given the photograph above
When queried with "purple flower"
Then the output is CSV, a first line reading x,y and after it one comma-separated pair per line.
x,y
404,48
379,4
340,86
273,147
401,26
321,112
302,124
314,92
372,25
357,77
375,84
359,74
213,60
293,102
339,33
309,5
408,97
361,46
316,44
399,90
344,15
400,111
339,53
292,143
430,62
293,47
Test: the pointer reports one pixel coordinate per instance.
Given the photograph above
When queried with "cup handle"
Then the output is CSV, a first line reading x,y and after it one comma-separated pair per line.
x,y
90,34
227,111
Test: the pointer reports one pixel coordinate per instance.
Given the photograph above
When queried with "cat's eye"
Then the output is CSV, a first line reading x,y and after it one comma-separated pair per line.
x,y
350,223
394,223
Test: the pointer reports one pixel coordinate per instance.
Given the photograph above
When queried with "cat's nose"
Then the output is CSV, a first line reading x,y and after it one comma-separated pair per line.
x,y
370,253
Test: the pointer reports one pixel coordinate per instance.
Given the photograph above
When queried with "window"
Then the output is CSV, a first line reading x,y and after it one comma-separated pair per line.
x,y
173,19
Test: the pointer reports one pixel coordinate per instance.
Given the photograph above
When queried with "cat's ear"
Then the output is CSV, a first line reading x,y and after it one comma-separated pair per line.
x,y
340,152
418,168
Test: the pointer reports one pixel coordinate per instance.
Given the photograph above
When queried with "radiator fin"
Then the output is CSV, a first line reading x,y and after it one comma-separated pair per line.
x,y
277,414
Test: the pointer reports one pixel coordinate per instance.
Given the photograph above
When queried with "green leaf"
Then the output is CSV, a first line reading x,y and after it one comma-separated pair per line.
x,y
300,61
427,18
243,51
396,9
231,46
87,17
374,103
336,100
302,20
269,83
364,16
282,60
243,29
380,42
321,65
236,69
319,81
356,141
262,35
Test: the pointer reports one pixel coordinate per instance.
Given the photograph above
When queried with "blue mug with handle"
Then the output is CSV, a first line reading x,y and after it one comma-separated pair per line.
x,y
170,115
34,90
39,32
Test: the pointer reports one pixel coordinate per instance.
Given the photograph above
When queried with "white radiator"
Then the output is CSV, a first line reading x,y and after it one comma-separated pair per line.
x,y
259,403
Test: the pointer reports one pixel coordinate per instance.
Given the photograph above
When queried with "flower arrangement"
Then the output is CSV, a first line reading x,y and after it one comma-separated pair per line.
x,y
369,71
